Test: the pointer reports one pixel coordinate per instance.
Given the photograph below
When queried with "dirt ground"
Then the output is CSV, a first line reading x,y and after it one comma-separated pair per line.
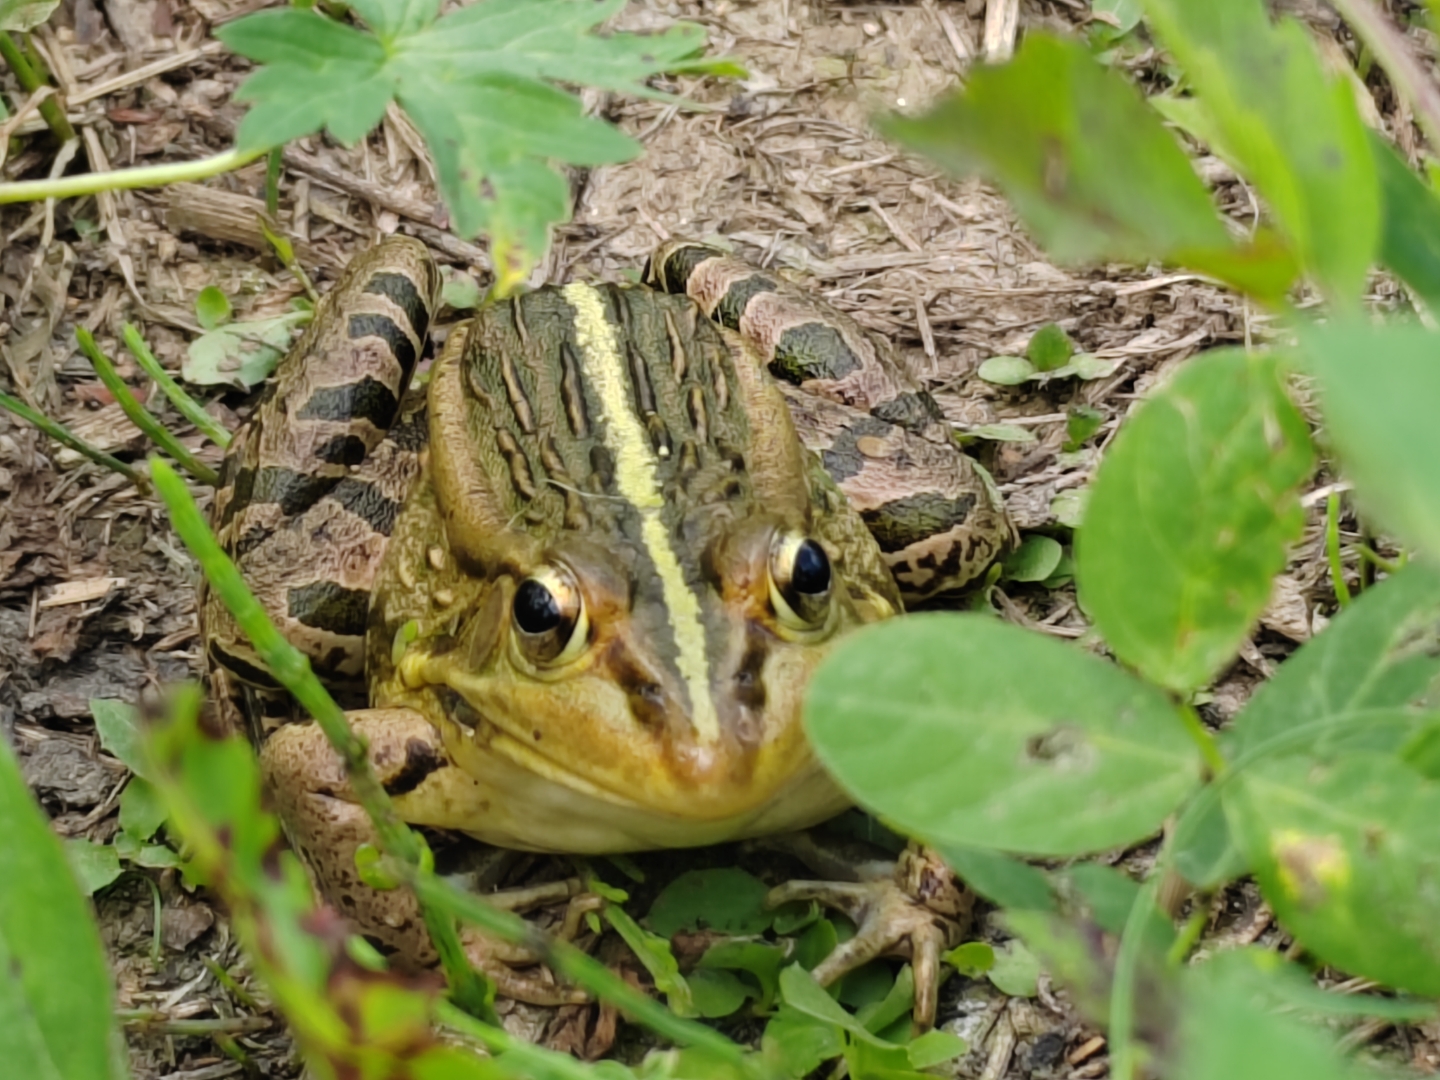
x,y
97,599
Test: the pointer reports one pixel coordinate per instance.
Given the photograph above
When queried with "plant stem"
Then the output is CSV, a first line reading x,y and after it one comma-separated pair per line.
x,y
1124,1052
1214,760
188,406
272,180
139,415
1332,549
1390,48
62,435
50,109
69,187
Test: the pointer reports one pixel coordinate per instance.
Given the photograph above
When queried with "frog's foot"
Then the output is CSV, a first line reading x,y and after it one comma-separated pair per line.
x,y
913,908
508,965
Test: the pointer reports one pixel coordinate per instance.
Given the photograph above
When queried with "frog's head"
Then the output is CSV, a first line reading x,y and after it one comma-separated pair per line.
x,y
635,646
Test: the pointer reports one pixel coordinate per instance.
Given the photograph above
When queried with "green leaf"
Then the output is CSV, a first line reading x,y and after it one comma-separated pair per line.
x,y
972,959
816,943
56,1006
1375,658
1204,850
241,354
726,899
1034,560
1049,348
1016,971
118,725
142,809
477,83
1348,855
1110,895
799,1043
1410,238
1089,366
1082,422
1378,385
1002,433
758,959
95,865
801,992
17,16
654,952
716,992
1190,515
1126,13
212,308
1006,370
1227,1033
898,999
1293,132
460,291
964,730
935,1048
1069,506
1075,148
1069,954
1277,984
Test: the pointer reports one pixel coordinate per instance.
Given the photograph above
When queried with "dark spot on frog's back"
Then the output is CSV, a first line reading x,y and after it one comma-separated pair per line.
x,y
914,410
368,503
401,289
901,522
812,350
342,450
364,399
326,605
387,329
421,759
732,305
679,265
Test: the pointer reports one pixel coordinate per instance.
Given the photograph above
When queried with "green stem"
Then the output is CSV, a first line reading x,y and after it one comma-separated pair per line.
x,y
272,180
1188,936
1124,1052
69,187
188,406
534,1061
1332,549
139,416
1200,734
1380,562
63,436
30,81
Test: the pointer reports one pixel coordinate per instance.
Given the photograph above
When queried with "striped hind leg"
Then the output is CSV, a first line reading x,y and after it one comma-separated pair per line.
x,y
312,484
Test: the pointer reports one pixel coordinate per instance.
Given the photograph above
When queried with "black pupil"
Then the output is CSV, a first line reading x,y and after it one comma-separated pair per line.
x,y
811,574
536,609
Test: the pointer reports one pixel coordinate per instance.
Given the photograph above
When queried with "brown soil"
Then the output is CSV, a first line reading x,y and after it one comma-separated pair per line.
x,y
96,596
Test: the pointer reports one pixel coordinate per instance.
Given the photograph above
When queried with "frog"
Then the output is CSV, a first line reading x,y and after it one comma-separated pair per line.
x,y
571,583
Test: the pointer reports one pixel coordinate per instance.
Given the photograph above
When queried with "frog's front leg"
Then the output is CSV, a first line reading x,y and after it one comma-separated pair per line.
x,y
912,908
327,826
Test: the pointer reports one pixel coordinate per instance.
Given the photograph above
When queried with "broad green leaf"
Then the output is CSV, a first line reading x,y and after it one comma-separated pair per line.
x,y
1348,855
17,16
964,730
935,1048
897,1001
95,865
1078,152
1002,433
479,84
1089,366
1226,1032
1049,348
1034,560
1110,895
758,959
725,899
56,1006
1378,388
240,354
1377,656
118,725
1016,971
1082,422
1190,515
1006,370
801,992
799,1043
972,959
1294,133
142,809
1126,13
1276,983
716,992
212,307
866,1061
1410,239
1204,850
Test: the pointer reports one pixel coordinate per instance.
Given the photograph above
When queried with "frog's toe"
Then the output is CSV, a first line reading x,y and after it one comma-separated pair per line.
x,y
915,913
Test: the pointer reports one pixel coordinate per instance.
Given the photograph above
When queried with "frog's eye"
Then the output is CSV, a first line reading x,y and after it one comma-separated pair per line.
x,y
800,582
550,617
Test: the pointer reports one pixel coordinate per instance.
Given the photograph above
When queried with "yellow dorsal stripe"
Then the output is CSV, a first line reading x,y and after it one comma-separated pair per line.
x,y
627,441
